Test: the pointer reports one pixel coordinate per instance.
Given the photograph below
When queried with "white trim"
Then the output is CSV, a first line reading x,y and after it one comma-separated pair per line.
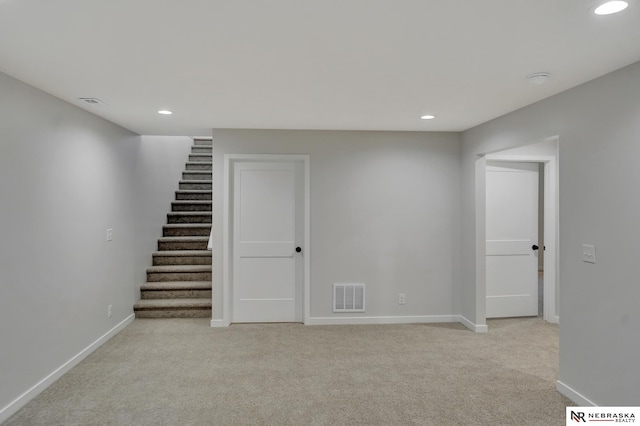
x,y
471,326
574,395
219,323
344,320
229,160
36,389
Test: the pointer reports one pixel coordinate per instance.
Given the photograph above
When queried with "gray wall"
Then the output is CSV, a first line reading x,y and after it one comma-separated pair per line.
x,y
65,177
385,209
598,124
160,161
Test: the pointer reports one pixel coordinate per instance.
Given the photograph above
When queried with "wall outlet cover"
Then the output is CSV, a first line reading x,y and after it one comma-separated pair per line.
x,y
589,253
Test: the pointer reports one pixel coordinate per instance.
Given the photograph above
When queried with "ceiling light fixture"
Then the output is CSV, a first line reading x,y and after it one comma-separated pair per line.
x,y
428,117
165,112
611,7
538,78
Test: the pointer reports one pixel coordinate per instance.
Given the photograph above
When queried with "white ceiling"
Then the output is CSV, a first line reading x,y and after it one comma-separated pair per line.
x,y
309,64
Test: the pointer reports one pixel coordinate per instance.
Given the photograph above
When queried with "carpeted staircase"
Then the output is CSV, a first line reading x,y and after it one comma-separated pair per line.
x,y
179,282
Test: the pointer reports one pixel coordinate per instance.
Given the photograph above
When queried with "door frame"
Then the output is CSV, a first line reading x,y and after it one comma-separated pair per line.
x,y
551,232
230,160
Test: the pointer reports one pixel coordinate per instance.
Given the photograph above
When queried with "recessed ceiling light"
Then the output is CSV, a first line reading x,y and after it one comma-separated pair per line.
x,y
538,78
165,112
611,7
428,117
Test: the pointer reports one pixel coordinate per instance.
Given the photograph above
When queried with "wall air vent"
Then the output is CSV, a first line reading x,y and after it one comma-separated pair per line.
x,y
348,297
92,101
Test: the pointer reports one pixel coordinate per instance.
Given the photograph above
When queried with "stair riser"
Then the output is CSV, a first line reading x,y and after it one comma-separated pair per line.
x,y
196,196
203,142
199,166
195,186
191,207
181,260
203,218
154,277
196,175
175,313
200,157
203,231
182,245
201,149
176,294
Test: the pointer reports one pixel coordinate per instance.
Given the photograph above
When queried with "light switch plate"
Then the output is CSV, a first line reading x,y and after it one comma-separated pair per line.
x,y
109,234
589,253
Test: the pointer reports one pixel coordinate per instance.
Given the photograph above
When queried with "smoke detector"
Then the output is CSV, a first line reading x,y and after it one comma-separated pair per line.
x,y
538,78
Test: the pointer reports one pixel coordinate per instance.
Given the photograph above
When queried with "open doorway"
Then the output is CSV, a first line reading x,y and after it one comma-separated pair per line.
x,y
542,157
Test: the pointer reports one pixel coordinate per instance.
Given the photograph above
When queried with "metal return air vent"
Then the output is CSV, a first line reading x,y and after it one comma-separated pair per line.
x,y
348,297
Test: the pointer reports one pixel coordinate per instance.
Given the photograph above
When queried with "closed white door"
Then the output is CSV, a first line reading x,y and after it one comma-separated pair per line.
x,y
512,232
266,274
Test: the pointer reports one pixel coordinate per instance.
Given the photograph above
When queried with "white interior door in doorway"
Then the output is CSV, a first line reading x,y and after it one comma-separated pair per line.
x,y
267,269
511,234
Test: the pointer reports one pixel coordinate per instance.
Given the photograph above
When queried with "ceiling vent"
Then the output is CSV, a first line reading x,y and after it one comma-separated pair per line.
x,y
348,297
92,101
538,78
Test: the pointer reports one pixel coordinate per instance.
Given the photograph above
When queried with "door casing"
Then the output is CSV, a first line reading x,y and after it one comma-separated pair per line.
x,y
230,160
551,233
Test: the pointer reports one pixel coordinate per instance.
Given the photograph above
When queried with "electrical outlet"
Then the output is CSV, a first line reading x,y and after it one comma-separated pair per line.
x,y
109,234
109,311
401,299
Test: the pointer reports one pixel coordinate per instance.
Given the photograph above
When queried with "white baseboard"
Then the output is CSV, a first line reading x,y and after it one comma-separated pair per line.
x,y
220,323
574,395
380,320
23,399
352,320
471,326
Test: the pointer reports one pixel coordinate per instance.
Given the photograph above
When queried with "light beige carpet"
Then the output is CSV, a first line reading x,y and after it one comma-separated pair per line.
x,y
182,372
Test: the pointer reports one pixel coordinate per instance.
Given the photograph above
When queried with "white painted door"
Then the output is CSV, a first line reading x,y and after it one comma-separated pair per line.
x,y
512,232
266,274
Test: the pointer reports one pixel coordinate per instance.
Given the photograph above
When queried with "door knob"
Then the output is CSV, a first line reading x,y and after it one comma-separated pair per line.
x,y
298,249
534,247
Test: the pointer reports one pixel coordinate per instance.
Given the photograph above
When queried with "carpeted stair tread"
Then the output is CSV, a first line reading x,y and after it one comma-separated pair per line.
x,y
201,157
197,175
178,268
200,163
187,225
176,285
200,202
158,304
188,184
190,213
186,229
194,194
189,217
184,238
191,205
182,253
